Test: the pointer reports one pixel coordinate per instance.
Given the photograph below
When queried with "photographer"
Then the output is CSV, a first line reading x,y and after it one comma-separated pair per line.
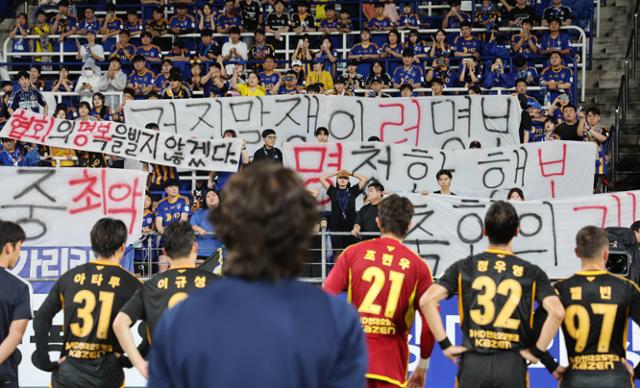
x,y
495,77
469,73
287,84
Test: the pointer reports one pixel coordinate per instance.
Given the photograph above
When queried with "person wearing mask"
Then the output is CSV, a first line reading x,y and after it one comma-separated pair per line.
x,y
268,150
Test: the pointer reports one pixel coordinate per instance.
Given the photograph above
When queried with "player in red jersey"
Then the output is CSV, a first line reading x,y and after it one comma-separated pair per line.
x,y
385,280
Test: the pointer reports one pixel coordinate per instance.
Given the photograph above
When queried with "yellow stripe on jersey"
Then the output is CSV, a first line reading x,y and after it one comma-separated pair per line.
x,y
410,314
460,306
533,298
386,379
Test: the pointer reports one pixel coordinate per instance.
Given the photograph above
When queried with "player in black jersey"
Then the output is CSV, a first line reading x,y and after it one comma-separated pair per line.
x,y
91,296
163,291
597,305
496,293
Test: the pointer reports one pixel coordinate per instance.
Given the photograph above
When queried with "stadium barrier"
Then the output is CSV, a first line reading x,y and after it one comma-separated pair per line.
x,y
343,50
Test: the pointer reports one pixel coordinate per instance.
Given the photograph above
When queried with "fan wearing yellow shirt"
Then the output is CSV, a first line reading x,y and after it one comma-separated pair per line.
x,y
251,88
320,76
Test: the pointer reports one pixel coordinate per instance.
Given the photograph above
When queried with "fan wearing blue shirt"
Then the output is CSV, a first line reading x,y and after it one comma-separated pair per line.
x,y
292,334
17,157
174,207
182,23
363,52
555,40
269,77
133,24
63,22
556,78
408,73
228,18
408,19
20,45
141,79
466,45
90,22
150,52
200,221
522,70
15,303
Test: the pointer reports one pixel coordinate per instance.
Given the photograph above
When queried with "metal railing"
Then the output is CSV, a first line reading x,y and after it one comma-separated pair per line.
x,y
622,102
287,51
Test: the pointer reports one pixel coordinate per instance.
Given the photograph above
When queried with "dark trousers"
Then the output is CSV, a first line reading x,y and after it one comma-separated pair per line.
x,y
104,372
573,379
505,369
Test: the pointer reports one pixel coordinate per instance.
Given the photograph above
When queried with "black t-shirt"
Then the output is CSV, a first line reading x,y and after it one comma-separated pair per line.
x,y
250,15
307,22
277,22
568,131
164,291
15,305
343,218
90,295
496,292
265,153
519,14
366,218
439,192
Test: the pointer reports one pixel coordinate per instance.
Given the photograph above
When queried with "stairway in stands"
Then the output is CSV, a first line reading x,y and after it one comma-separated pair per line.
x,y
603,83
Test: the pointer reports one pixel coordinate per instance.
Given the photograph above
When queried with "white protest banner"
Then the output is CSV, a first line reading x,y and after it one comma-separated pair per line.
x,y
118,139
447,228
450,122
58,207
543,170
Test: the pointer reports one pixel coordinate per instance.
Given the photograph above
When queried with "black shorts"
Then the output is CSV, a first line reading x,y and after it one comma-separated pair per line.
x,y
104,372
574,379
498,370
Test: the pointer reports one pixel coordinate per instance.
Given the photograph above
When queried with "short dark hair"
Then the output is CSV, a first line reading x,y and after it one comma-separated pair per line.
x,y
107,236
137,58
115,59
132,11
590,241
515,190
593,110
635,226
234,30
406,86
231,131
268,132
395,213
320,130
85,104
152,125
23,74
147,34
206,32
376,185
129,91
570,105
444,172
178,239
465,23
10,233
265,219
125,32
521,80
501,222
475,145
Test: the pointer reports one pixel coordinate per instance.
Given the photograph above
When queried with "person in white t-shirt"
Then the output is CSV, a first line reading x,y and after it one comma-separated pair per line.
x,y
234,50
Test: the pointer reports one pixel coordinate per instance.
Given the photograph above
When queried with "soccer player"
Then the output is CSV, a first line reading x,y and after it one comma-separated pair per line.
x,y
90,295
163,291
291,334
598,305
385,280
496,293
15,303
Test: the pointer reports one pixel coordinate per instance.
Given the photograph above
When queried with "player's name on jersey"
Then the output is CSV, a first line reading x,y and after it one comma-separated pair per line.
x,y
139,143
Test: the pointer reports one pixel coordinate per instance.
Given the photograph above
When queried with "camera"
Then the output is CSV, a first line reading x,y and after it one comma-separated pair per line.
x,y
624,253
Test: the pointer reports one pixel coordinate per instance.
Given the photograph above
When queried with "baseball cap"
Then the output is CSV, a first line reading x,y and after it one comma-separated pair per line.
x,y
296,62
343,174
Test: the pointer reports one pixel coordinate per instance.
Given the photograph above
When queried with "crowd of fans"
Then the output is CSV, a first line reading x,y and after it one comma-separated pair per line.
x,y
201,52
